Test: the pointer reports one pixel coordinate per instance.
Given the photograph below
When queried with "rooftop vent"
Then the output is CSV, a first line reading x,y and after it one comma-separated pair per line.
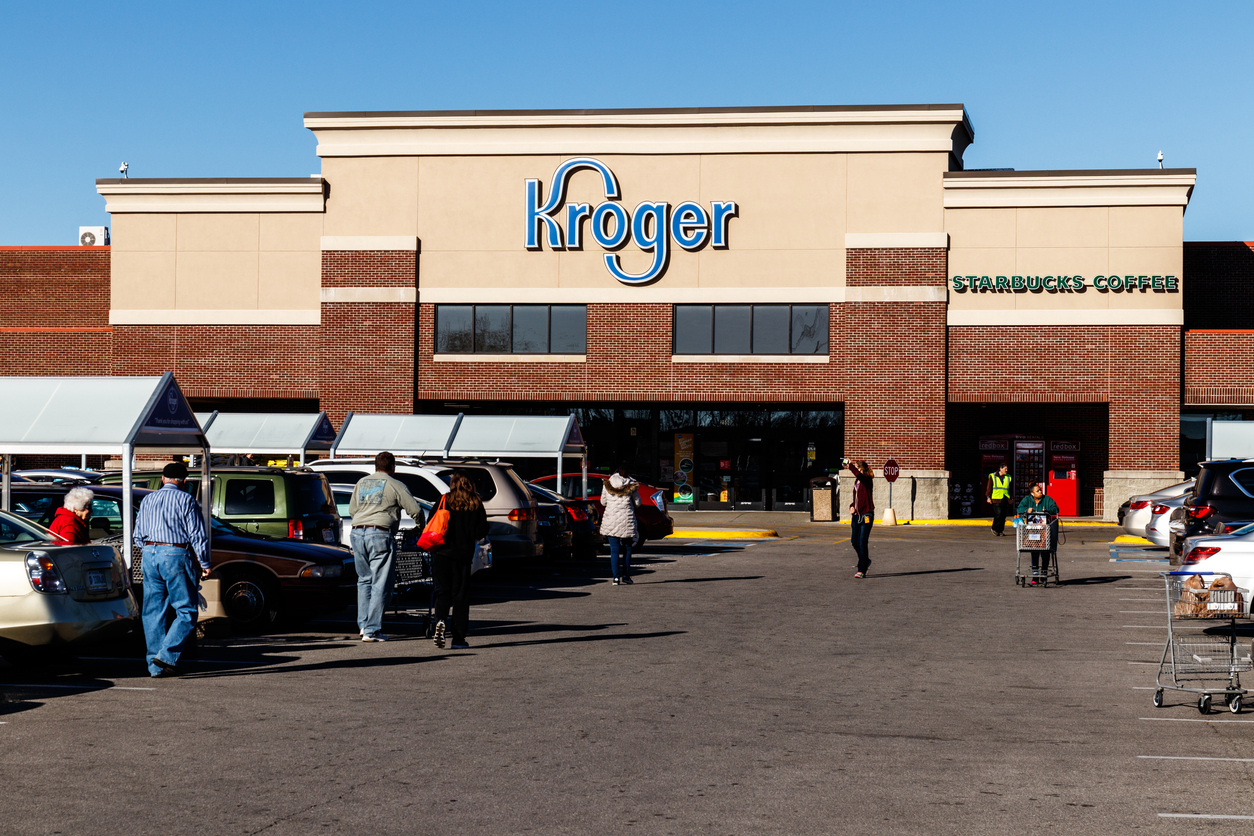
x,y
93,236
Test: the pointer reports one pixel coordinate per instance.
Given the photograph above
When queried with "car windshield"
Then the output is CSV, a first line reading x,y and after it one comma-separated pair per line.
x,y
543,493
312,492
1243,530
14,530
482,479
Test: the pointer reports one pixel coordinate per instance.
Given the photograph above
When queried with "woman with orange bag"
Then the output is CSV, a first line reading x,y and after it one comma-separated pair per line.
x,y
450,562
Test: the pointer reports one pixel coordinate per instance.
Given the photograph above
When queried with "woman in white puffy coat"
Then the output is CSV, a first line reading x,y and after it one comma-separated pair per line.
x,y
618,524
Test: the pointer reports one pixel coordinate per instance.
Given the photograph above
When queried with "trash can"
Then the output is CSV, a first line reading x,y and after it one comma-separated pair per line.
x,y
823,500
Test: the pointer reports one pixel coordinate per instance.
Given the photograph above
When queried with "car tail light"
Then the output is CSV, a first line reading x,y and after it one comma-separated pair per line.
x,y
295,530
578,514
1200,512
1200,553
43,573
522,515
1160,509
1139,504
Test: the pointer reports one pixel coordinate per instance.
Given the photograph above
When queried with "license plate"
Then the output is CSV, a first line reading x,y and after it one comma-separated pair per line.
x,y
98,580
328,536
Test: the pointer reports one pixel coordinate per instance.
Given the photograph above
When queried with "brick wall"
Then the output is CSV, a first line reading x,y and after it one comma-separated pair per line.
x,y
897,266
1135,369
1219,367
366,349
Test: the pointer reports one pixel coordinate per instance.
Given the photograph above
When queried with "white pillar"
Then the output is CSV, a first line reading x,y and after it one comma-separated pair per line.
x,y
128,506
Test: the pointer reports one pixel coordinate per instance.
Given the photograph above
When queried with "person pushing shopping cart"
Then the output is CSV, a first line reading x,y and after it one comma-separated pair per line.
x,y
1037,533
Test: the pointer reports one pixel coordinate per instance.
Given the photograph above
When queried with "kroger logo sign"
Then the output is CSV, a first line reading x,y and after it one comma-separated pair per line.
x,y
653,226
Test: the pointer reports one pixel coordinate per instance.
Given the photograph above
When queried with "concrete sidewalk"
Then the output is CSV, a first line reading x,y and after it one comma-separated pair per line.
x,y
774,519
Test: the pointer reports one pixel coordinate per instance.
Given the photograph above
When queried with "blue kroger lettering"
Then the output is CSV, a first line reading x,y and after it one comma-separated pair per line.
x,y
652,225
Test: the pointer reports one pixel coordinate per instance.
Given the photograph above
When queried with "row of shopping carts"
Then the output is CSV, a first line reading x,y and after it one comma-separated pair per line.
x,y
1203,654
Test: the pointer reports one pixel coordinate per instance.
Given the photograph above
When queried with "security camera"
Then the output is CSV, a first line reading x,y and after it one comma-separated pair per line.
x,y
1160,159
122,167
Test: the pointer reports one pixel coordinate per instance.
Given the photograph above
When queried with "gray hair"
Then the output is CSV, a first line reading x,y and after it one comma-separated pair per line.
x,y
79,499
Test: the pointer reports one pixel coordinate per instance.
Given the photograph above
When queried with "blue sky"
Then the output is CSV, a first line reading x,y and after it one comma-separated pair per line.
x,y
218,89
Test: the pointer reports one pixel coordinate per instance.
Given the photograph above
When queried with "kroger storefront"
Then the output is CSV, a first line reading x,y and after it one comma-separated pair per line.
x,y
731,299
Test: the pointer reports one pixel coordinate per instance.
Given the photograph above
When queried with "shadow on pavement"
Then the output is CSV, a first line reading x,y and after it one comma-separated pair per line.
x,y
872,577
481,627
577,639
1094,580
707,580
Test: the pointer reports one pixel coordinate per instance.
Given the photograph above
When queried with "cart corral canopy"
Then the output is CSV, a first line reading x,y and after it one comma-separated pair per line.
x,y
97,415
247,433
479,436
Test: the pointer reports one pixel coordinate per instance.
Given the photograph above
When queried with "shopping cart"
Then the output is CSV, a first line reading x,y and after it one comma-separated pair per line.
x,y
413,579
1202,639
1036,533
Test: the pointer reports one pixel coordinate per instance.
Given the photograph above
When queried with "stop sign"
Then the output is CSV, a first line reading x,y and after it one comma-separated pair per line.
x,y
891,470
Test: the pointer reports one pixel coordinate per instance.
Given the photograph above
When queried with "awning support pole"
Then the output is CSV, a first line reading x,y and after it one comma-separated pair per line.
x,y
128,507
206,498
584,462
6,492
558,486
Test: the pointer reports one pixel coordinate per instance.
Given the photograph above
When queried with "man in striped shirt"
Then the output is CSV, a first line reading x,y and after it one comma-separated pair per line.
x,y
171,532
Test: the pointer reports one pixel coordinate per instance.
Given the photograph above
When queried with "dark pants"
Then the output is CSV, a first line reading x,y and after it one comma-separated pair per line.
x,y
1001,507
860,537
1040,563
452,589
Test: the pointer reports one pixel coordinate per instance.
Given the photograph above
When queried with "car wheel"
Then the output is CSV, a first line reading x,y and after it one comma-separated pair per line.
x,y
639,541
250,601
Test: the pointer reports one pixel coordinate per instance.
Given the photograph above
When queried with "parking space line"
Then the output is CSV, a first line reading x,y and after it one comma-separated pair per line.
x,y
1151,644
1143,663
1138,612
1192,758
1141,600
1201,816
1190,720
1146,626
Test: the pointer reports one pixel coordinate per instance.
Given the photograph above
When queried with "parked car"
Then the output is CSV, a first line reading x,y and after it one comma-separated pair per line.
x,y
279,502
1157,530
583,520
1231,554
57,595
652,519
262,579
344,493
552,522
1135,513
511,510
1223,493
58,475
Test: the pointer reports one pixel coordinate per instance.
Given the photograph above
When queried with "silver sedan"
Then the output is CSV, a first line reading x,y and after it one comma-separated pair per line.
x,y
1141,508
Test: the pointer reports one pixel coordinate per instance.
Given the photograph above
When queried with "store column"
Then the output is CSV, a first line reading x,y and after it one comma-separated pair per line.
x,y
369,299
894,348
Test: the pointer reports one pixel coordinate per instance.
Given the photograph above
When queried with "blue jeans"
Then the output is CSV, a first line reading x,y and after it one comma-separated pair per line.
x,y
376,572
860,537
620,546
170,581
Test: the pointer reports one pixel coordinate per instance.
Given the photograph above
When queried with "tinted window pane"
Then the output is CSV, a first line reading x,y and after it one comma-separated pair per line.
x,y
482,479
531,329
249,497
731,329
419,486
492,328
809,329
343,477
770,329
693,329
568,329
313,495
453,328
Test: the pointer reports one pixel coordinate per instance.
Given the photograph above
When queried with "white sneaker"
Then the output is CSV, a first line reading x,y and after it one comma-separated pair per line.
x,y
438,636
377,637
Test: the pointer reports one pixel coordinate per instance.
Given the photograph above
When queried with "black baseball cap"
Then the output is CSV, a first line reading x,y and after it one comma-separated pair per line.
x,y
174,470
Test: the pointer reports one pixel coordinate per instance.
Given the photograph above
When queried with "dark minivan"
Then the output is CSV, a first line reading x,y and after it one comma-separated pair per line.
x,y
1222,495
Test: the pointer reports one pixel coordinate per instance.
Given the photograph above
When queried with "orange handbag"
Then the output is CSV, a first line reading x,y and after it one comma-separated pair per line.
x,y
433,535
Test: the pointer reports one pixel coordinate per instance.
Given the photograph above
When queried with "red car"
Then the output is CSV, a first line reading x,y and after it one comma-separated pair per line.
x,y
652,520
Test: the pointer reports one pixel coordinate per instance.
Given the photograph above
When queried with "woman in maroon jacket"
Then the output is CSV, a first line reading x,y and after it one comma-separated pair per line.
x,y
450,563
862,509
70,521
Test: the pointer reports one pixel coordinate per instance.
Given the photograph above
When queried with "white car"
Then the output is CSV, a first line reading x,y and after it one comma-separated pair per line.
x,y
1231,554
1157,531
1140,508
344,493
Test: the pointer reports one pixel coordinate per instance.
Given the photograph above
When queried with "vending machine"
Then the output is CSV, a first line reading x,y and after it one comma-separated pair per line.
x,y
1028,468
1063,484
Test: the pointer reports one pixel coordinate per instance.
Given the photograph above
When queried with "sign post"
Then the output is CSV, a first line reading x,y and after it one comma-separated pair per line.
x,y
891,471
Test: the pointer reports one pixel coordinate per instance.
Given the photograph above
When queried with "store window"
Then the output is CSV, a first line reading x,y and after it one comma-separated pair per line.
x,y
511,329
750,329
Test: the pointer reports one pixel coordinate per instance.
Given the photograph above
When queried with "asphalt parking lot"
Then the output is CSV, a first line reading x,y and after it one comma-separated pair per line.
x,y
735,688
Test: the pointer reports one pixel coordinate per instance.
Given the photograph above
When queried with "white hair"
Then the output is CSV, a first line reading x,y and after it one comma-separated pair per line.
x,y
79,499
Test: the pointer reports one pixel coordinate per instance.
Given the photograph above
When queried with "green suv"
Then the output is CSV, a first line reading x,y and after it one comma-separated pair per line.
x,y
279,502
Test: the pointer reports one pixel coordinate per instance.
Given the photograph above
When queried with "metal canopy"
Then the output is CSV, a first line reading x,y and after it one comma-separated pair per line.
x,y
465,436
98,415
246,433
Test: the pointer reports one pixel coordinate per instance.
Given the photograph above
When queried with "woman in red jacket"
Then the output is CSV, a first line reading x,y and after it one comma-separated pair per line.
x,y
862,510
70,521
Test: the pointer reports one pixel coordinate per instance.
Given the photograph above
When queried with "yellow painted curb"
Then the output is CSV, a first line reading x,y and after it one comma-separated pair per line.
x,y
1128,538
724,533
989,523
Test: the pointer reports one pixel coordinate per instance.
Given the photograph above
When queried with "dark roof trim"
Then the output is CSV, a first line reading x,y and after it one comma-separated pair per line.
x,y
215,181
661,111
1081,172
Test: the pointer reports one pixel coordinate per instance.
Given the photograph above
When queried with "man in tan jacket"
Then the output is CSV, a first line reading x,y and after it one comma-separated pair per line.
x,y
376,510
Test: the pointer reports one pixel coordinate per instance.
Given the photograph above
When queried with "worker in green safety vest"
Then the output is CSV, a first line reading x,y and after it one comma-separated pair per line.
x,y
997,492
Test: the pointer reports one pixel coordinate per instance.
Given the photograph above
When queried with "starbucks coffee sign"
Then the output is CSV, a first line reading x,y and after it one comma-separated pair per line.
x,y
1065,284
